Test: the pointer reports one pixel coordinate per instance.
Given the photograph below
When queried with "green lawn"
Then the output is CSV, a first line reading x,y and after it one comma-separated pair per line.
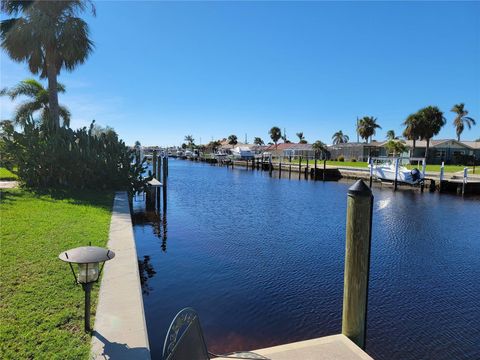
x,y
41,312
7,174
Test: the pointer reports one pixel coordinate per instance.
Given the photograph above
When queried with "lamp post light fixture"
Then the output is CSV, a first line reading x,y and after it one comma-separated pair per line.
x,y
88,259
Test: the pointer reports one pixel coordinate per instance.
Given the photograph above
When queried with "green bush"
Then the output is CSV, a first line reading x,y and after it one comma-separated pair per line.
x,y
353,160
75,159
341,158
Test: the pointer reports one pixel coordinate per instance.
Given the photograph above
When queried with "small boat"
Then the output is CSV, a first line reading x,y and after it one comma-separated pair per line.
x,y
386,172
243,153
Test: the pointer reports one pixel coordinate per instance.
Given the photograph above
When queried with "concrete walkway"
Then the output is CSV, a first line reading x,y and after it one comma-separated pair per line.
x,y
120,331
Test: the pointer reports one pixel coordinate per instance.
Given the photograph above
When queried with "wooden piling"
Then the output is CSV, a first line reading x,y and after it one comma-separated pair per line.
x,y
279,167
164,182
270,165
324,168
299,167
395,183
306,170
315,168
357,262
154,163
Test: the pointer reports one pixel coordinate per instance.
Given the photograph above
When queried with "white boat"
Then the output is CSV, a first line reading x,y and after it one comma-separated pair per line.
x,y
243,153
386,172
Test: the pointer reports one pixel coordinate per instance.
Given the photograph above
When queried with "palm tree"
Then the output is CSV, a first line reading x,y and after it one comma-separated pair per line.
x,y
431,121
412,129
275,135
48,36
340,138
319,147
391,135
190,141
367,127
395,146
258,141
461,119
38,101
232,140
301,138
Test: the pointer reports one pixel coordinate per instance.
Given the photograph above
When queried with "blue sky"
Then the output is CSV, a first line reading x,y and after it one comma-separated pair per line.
x,y
162,70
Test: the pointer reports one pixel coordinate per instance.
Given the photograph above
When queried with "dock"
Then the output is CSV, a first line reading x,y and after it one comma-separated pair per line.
x,y
335,347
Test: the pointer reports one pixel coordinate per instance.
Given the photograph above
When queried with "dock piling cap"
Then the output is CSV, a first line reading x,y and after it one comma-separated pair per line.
x,y
359,189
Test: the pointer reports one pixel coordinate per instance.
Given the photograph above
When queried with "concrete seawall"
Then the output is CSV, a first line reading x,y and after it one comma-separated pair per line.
x,y
120,331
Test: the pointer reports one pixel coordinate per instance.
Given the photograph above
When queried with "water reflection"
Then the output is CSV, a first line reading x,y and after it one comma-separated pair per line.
x,y
147,271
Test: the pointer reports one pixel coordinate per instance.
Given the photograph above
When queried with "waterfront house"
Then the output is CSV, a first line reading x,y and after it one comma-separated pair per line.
x,y
291,149
450,151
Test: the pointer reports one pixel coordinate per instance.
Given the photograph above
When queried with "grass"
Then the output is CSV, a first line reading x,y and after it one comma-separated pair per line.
x,y
41,311
6,174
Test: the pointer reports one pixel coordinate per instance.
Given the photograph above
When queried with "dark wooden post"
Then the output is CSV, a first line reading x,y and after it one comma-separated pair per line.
x,y
164,182
290,167
315,168
324,168
395,183
270,165
299,167
279,167
154,163
306,170
357,262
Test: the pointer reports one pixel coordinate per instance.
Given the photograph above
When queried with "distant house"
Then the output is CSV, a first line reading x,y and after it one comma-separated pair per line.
x,y
449,150
291,149
357,151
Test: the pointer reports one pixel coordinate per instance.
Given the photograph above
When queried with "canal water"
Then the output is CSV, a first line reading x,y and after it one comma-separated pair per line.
x,y
261,260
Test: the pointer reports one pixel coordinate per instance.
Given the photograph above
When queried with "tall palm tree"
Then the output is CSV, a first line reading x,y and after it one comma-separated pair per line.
x,y
190,141
431,121
367,127
340,138
319,147
275,135
49,36
391,135
461,119
258,141
39,101
301,138
233,140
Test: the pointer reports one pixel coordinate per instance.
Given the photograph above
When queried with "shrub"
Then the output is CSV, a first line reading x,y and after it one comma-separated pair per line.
x,y
75,159
353,160
341,158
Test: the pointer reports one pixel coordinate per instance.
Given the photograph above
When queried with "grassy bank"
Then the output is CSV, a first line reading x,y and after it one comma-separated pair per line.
x,y
7,174
41,315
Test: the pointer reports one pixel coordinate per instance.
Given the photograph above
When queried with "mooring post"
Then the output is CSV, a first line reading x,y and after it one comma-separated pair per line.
x,y
279,167
299,167
397,161
154,163
357,262
442,176
164,182
324,168
306,170
424,169
465,180
290,166
270,165
315,168
370,164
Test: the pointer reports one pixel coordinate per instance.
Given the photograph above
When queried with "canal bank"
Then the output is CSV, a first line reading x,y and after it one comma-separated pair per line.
x,y
277,278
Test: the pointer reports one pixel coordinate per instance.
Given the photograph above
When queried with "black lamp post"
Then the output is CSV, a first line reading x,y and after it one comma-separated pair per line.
x,y
88,259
